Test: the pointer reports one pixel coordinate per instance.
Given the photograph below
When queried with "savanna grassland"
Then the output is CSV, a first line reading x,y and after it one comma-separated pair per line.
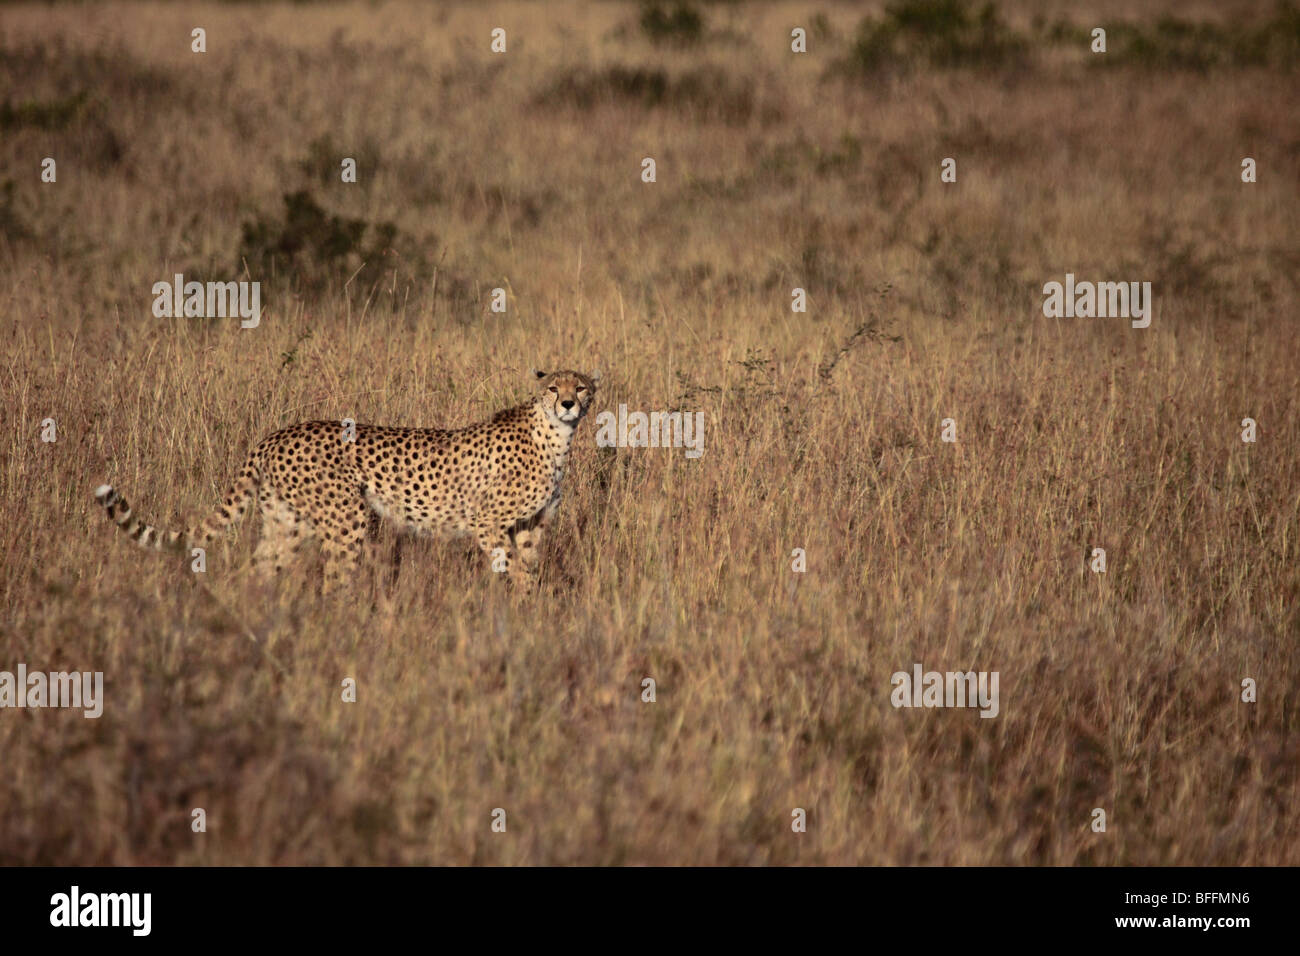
x,y
774,170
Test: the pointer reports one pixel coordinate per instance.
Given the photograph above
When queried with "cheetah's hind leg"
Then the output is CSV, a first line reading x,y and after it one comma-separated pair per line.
x,y
343,533
284,532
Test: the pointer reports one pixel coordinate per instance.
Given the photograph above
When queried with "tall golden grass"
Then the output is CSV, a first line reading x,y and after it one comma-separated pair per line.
x,y
522,171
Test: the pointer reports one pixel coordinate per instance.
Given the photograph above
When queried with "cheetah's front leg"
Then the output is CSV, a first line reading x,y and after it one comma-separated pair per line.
x,y
495,542
528,536
527,543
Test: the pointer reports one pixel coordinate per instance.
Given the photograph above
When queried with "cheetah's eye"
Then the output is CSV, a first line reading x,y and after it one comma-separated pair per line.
x,y
554,389
581,388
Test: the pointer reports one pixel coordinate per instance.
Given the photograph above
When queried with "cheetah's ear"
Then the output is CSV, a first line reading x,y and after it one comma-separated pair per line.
x,y
539,373
595,378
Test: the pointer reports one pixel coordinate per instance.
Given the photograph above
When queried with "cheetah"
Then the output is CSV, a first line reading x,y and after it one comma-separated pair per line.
x,y
498,480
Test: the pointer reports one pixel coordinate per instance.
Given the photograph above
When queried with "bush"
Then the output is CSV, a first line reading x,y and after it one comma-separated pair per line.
x,y
1173,43
311,248
938,33
705,92
682,25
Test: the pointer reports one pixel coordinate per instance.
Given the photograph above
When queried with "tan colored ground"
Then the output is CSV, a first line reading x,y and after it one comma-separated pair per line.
x,y
822,432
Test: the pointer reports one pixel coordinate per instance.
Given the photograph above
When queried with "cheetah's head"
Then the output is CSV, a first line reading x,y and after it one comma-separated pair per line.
x,y
567,395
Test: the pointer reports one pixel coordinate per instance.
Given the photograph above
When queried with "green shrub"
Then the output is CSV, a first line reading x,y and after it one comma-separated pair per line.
x,y
680,25
310,248
945,34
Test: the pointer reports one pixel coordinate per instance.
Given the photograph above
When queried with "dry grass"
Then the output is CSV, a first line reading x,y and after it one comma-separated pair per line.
x,y
1118,691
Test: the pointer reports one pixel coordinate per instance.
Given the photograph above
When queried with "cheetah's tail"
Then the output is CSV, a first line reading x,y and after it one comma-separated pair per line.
x,y
146,535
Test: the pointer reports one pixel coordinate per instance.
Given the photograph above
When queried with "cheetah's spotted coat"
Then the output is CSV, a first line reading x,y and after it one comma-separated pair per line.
x,y
498,480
